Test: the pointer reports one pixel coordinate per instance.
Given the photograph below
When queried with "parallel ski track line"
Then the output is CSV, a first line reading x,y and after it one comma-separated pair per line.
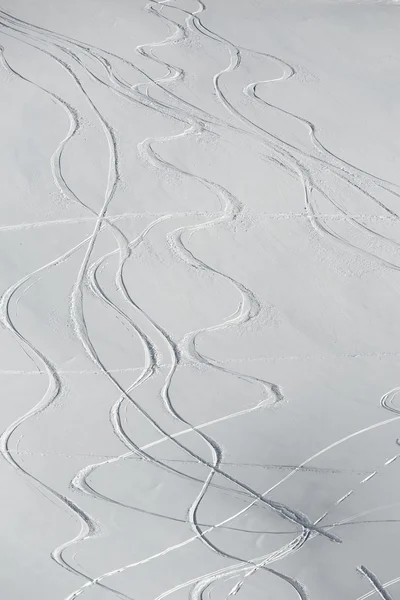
x,y
89,527
235,62
286,150
187,253
202,491
80,277
298,158
108,197
99,225
308,183
206,484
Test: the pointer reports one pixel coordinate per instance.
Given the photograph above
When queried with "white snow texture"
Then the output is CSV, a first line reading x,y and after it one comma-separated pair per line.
x,y
200,286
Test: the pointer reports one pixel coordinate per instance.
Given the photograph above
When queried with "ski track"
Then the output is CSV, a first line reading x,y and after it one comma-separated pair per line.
x,y
376,584
307,166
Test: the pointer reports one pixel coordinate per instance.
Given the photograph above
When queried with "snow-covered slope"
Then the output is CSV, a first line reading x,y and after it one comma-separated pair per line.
x,y
200,244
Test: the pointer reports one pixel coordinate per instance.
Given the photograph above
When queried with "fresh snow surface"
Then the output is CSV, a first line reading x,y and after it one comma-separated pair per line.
x,y
200,292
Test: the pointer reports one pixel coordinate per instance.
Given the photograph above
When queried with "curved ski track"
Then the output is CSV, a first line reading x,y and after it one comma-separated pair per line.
x,y
309,167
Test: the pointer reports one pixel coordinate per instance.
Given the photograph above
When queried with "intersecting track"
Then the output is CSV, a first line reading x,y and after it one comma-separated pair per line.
x,y
76,58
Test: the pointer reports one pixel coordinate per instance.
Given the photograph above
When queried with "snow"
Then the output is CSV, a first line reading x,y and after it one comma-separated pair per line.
x,y
200,247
